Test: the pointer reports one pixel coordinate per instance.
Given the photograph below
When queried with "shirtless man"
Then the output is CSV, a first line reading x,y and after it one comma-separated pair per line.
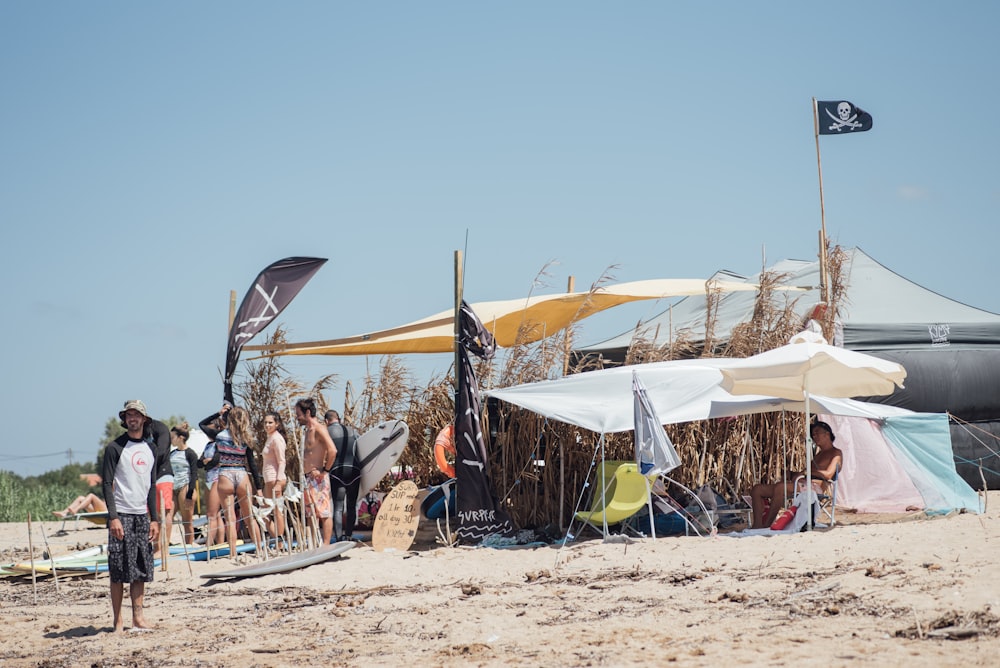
x,y
318,455
824,467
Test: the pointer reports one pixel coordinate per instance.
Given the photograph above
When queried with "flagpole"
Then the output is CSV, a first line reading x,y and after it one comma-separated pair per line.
x,y
824,287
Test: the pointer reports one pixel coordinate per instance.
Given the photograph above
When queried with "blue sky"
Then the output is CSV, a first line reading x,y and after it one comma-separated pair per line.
x,y
156,156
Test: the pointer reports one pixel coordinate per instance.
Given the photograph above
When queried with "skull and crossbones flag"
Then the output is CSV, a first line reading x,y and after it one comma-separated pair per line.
x,y
841,117
273,289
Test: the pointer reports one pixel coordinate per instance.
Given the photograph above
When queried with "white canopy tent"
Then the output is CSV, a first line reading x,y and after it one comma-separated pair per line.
x,y
688,390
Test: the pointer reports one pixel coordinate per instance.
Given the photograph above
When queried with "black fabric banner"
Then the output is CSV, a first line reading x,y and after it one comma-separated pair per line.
x,y
841,117
273,290
479,511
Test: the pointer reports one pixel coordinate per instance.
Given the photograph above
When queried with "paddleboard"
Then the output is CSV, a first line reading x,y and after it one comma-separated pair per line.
x,y
378,449
433,505
285,564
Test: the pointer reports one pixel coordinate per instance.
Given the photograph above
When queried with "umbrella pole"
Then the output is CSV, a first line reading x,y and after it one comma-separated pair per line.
x,y
808,471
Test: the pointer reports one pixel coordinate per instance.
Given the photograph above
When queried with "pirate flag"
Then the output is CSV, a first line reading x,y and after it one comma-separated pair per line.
x,y
840,117
479,511
273,290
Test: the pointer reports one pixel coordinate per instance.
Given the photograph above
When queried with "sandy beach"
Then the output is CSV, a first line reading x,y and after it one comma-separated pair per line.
x,y
887,590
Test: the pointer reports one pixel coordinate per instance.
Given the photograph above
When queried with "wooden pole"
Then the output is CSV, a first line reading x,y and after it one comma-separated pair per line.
x,y
52,559
31,557
459,279
302,483
567,346
164,539
823,278
568,337
232,310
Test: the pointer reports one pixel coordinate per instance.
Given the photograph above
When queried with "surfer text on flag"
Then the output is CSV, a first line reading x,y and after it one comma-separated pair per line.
x,y
841,117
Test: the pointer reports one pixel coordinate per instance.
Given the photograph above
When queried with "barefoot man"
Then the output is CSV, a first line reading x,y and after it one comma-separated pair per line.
x,y
129,475
317,458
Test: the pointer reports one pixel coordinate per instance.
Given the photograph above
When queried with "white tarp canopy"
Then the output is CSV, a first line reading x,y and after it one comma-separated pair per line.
x,y
893,458
679,390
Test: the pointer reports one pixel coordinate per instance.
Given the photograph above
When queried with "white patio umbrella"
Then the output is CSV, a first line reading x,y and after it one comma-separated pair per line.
x,y
799,369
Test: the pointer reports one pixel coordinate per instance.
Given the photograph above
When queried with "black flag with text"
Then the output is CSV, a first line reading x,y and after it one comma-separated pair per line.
x,y
479,512
273,290
841,117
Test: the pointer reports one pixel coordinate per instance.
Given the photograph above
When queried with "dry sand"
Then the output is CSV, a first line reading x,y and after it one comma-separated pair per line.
x,y
886,590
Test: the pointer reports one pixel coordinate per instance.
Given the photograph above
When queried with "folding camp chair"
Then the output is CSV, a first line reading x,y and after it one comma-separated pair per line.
x,y
826,496
99,518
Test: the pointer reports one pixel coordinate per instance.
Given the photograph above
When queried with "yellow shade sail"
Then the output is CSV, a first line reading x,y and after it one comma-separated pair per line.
x,y
512,321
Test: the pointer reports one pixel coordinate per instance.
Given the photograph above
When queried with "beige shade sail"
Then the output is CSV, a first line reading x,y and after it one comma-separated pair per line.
x,y
512,321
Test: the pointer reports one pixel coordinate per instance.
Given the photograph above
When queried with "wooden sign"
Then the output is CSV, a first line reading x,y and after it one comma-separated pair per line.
x,y
397,519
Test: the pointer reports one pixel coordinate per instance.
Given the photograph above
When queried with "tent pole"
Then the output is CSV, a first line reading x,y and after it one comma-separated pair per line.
x,y
604,489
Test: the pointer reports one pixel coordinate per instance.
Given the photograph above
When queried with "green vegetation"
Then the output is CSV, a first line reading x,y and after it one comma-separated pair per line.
x,y
54,490
40,495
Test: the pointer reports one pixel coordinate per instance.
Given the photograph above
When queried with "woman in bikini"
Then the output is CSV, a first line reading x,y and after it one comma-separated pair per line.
x,y
236,466
274,471
213,425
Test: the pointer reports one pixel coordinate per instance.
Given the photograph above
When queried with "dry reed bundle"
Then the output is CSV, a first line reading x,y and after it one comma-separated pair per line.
x,y
268,387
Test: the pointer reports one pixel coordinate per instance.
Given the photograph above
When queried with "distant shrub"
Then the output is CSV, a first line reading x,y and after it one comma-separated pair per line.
x,y
19,496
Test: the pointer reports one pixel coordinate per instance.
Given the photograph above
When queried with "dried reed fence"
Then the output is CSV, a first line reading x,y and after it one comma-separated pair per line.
x,y
538,467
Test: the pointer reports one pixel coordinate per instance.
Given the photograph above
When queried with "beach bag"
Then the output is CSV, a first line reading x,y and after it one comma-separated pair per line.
x,y
368,507
784,518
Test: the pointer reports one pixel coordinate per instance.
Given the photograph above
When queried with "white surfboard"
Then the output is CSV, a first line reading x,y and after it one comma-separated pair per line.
x,y
378,449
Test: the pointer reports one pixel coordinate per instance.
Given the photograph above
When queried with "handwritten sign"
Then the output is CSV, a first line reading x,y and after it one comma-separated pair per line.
x,y
397,519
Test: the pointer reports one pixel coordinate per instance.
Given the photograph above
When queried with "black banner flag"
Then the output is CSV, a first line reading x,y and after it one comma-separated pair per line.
x,y
273,290
841,117
479,511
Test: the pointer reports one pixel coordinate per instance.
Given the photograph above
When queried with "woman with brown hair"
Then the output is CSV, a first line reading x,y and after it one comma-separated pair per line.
x,y
184,462
236,461
274,472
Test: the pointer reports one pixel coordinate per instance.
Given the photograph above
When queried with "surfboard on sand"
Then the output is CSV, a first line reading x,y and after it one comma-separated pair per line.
x,y
378,449
90,556
81,566
201,553
285,564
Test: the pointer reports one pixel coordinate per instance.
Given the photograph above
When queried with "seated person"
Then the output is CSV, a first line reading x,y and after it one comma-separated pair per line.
x,y
824,467
83,504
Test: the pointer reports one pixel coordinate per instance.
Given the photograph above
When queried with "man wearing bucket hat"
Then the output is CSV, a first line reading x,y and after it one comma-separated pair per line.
x,y
129,479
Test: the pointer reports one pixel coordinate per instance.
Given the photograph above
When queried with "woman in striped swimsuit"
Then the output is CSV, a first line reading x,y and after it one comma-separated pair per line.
x,y
236,460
